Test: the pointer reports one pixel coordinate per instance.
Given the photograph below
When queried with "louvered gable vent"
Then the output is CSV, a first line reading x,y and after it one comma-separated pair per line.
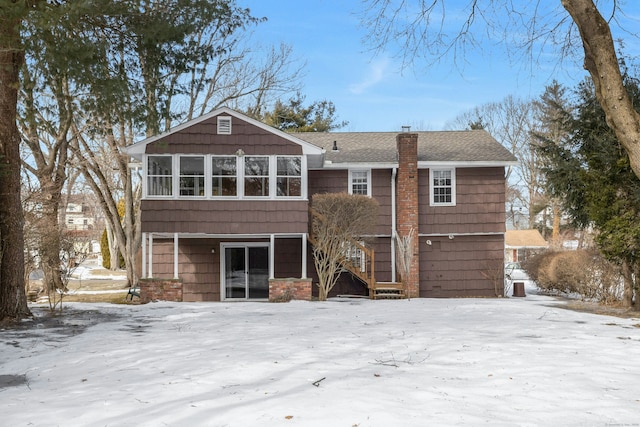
x,y
224,125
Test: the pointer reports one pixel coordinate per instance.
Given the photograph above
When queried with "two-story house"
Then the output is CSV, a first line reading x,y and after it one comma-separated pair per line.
x,y
78,215
225,207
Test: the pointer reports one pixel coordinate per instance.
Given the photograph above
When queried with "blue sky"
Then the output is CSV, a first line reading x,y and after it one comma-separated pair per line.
x,y
372,94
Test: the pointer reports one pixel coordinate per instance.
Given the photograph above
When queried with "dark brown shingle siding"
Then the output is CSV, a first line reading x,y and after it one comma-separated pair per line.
x,y
454,268
202,138
480,198
222,217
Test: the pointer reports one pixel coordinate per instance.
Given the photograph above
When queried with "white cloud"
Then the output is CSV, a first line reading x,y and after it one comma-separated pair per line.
x,y
376,74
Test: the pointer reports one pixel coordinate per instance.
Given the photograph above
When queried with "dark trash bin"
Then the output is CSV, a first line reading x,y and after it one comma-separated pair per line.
x,y
518,289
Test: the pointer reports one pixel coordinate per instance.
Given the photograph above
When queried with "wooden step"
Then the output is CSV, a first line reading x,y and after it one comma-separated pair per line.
x,y
388,290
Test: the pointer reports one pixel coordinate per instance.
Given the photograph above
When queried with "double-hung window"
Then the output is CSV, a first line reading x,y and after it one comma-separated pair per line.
x,y
159,176
224,176
442,185
192,176
256,176
359,182
289,176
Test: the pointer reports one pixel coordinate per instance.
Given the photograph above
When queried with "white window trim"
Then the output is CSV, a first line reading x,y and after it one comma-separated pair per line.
x,y
239,187
303,183
368,171
175,177
453,187
207,185
145,181
270,177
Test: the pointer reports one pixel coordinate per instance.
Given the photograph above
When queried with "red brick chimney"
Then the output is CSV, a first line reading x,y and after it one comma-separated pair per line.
x,y
407,202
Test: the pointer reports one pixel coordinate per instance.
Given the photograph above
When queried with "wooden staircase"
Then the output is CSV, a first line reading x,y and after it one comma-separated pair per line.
x,y
359,260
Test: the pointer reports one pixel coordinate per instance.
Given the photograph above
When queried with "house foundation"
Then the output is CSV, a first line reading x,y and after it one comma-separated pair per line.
x,y
160,290
282,290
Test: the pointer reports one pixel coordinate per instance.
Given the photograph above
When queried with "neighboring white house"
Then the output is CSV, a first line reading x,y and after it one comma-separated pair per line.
x,y
78,216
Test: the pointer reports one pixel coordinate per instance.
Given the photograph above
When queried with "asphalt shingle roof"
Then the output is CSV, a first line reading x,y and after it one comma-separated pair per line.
x,y
433,146
525,238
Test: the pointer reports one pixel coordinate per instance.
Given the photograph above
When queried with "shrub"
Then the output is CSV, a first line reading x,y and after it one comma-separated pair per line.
x,y
106,252
104,249
586,273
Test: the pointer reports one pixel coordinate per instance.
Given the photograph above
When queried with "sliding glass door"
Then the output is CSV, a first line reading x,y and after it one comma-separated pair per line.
x,y
246,271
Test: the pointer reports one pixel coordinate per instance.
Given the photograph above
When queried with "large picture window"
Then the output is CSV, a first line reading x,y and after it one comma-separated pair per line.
x,y
224,176
192,176
159,176
289,176
442,184
256,176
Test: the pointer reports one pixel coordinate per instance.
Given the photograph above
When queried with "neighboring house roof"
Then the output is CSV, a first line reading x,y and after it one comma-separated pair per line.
x,y
473,147
524,239
138,149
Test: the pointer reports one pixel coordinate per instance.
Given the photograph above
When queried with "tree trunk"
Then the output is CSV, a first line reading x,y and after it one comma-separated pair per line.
x,y
627,275
555,234
114,252
13,300
49,234
601,62
133,235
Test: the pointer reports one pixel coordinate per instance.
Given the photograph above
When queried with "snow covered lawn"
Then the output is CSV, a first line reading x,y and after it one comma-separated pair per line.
x,y
499,362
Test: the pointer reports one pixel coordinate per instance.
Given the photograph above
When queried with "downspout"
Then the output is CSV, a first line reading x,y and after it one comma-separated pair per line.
x,y
393,224
144,256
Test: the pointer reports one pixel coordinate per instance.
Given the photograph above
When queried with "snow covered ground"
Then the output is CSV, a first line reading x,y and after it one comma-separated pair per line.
x,y
499,362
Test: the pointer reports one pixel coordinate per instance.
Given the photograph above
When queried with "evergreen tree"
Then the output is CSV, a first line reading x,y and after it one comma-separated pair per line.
x,y
553,115
293,116
592,176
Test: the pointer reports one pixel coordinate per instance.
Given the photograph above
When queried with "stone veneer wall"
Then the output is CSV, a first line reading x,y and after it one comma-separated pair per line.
x,y
160,290
281,290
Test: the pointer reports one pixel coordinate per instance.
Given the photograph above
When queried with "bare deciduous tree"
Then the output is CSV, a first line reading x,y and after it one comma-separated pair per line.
x,y
338,219
422,30
404,257
189,72
46,111
512,122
